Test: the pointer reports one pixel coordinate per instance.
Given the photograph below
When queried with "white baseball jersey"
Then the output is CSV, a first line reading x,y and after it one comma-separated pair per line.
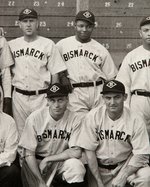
x,y
6,61
135,72
8,139
45,136
113,141
86,62
35,62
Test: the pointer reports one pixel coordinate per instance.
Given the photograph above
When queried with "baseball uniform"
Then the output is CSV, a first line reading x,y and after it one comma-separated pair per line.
x,y
35,62
86,63
115,142
9,173
52,138
134,73
5,62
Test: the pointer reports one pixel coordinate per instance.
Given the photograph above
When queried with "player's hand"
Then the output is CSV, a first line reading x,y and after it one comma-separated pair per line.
x,y
120,180
43,166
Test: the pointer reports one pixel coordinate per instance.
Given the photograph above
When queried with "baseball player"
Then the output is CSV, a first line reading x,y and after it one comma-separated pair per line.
x,y
37,64
50,135
9,172
116,141
88,64
134,73
5,76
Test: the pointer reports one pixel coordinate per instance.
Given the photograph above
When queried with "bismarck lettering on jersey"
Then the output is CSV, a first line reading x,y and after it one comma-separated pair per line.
x,y
78,53
29,52
140,64
110,134
54,134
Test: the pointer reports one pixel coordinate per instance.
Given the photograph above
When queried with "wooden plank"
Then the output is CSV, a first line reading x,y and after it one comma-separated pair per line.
x,y
82,5
102,11
61,11
120,4
37,3
45,21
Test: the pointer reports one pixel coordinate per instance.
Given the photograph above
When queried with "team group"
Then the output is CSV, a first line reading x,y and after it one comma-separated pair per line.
x,y
67,113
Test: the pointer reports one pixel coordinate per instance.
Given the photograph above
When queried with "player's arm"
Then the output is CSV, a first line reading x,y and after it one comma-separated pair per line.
x,y
74,152
93,165
33,166
130,167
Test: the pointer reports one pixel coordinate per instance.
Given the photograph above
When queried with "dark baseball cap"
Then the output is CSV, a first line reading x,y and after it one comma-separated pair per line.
x,y
28,13
85,15
113,86
145,21
57,90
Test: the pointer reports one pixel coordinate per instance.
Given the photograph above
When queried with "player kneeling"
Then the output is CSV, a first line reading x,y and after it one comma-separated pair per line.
x,y
49,140
116,141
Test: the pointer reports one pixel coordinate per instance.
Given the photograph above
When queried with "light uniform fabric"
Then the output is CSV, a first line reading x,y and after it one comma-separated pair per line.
x,y
114,141
45,136
86,62
8,139
135,75
35,62
6,61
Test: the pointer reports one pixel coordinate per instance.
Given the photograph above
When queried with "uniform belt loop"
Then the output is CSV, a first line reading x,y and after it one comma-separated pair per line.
x,y
36,92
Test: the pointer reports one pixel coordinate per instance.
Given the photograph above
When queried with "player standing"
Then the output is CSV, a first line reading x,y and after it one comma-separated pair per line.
x,y
50,136
135,74
116,141
6,61
88,64
37,64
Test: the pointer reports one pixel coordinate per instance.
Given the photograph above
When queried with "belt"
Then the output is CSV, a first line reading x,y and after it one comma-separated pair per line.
x,y
142,93
39,157
26,92
87,84
107,166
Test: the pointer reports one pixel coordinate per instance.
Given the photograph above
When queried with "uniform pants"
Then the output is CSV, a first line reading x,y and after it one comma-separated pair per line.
x,y
71,171
84,99
141,105
24,105
140,179
10,176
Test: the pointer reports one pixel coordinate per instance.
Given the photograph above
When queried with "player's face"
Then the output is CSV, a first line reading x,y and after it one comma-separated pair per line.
x,y
57,106
29,26
114,103
83,30
145,33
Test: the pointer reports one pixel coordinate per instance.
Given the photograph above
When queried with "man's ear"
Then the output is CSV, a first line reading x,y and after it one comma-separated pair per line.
x,y
140,33
125,96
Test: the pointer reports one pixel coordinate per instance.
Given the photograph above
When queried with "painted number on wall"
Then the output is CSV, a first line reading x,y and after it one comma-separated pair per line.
x,y
11,3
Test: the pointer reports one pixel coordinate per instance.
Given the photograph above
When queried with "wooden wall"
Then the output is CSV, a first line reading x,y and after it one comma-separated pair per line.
x,y
117,21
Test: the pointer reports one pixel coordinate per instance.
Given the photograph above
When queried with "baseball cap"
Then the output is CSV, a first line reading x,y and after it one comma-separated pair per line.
x,y
57,90
113,86
85,15
28,13
145,21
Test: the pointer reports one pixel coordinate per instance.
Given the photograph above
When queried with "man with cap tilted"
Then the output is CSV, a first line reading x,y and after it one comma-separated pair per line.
x,y
116,141
88,64
135,74
37,64
50,135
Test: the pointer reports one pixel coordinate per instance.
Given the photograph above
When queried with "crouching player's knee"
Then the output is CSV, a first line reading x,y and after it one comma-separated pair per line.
x,y
73,171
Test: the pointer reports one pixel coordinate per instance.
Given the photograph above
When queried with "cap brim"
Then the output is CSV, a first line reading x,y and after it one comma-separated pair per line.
x,y
91,22
105,92
26,17
58,95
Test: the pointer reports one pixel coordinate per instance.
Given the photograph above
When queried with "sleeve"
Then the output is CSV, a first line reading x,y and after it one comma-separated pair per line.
x,y
28,138
140,139
139,160
88,138
10,147
55,62
109,68
6,82
6,59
